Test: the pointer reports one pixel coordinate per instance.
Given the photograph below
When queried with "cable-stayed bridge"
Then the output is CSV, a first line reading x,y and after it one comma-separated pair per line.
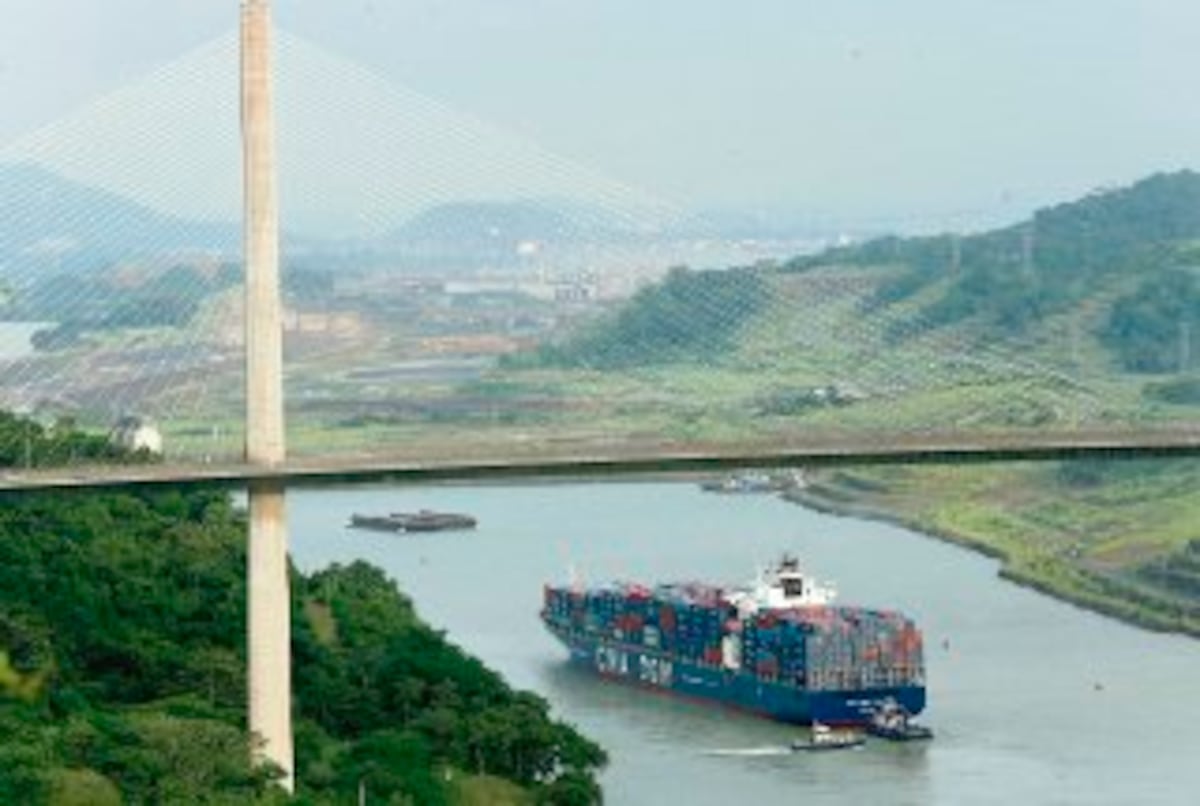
x,y
433,263
652,458
458,301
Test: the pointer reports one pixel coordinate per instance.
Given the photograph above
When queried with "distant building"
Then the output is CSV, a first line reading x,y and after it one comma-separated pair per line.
x,y
137,434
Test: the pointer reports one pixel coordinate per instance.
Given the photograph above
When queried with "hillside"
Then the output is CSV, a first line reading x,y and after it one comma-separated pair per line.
x,y
1135,249
1013,278
47,221
1118,537
122,672
689,316
1087,314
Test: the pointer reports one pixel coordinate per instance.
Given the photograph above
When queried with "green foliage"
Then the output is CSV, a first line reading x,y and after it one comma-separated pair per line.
x,y
1181,392
98,302
1017,275
1178,572
25,687
1009,278
391,679
305,284
393,766
925,254
82,788
1093,472
24,442
123,670
689,316
571,789
1148,329
25,753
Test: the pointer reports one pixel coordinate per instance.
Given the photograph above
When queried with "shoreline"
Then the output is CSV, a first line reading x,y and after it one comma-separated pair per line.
x,y
844,505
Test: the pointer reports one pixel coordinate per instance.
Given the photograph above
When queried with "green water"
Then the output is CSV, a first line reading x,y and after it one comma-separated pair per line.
x,y
1033,701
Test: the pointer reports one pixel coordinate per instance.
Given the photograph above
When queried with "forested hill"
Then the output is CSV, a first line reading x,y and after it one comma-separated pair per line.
x,y
1012,277
689,316
122,673
1137,249
48,221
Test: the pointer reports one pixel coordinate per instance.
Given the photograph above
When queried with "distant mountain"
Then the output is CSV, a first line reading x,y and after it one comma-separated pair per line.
x,y
512,234
48,220
358,154
553,220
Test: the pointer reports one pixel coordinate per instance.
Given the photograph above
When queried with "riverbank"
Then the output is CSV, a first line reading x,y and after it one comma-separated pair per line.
x,y
1088,557
993,650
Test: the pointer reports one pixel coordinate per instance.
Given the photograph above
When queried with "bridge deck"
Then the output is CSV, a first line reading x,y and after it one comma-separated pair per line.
x,y
542,460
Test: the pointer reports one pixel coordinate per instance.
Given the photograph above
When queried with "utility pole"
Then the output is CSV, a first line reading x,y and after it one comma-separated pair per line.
x,y
1185,346
268,628
1028,245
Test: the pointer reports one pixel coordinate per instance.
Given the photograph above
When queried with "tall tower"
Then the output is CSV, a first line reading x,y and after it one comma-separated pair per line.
x,y
268,597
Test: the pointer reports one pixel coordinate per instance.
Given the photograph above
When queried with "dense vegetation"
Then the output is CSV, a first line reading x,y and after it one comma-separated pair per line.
x,y
1178,572
1011,277
1184,391
25,443
89,303
1118,536
1151,329
689,316
122,672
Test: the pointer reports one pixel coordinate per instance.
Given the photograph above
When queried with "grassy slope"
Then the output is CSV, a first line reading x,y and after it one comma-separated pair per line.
x,y
1082,543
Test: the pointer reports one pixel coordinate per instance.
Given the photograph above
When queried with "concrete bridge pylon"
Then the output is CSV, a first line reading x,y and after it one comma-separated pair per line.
x,y
268,595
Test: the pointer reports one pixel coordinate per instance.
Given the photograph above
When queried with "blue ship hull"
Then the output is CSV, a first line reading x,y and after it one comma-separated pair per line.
x,y
738,689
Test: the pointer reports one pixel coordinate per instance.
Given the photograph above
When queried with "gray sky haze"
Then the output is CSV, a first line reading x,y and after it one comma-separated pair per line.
x,y
927,111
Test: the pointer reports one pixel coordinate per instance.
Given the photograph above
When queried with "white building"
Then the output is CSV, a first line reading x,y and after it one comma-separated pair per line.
x,y
137,434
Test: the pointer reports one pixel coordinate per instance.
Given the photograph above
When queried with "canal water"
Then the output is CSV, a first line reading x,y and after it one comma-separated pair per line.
x,y
15,339
1033,701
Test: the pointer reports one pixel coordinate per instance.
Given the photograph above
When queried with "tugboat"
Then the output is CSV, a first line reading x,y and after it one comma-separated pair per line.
x,y
892,721
823,738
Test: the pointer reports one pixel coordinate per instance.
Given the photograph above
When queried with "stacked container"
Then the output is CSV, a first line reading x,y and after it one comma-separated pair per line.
x,y
812,648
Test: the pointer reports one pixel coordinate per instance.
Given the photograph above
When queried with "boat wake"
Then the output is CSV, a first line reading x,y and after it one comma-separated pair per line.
x,y
750,752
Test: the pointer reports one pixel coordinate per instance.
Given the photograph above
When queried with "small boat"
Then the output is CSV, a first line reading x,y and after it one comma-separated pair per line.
x,y
377,523
893,722
755,481
824,738
422,521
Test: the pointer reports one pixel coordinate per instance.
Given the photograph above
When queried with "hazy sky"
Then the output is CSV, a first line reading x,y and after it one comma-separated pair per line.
x,y
924,108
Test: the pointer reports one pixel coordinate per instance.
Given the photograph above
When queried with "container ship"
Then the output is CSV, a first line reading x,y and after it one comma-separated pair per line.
x,y
779,647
